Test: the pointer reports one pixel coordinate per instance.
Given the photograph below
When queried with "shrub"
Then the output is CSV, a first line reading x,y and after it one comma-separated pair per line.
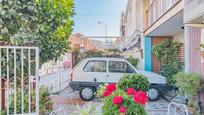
x,y
136,81
167,53
189,84
45,103
120,102
133,61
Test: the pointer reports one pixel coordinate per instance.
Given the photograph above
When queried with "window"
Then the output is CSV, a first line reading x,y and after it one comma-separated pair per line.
x,y
95,66
120,67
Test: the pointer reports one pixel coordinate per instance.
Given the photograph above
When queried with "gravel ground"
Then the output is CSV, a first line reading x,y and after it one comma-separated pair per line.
x,y
153,108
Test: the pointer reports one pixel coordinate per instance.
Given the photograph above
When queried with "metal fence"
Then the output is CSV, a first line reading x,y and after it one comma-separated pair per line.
x,y
19,81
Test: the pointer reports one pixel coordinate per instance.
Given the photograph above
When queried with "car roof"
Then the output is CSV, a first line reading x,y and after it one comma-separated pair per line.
x,y
106,58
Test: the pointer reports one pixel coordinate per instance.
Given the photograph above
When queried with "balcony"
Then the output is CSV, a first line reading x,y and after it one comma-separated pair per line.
x,y
157,9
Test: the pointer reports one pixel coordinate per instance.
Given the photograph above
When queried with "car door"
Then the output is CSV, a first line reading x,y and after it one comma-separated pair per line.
x,y
95,71
116,69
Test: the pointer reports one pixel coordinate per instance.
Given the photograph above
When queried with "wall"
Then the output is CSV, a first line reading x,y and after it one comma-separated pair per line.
x,y
135,54
202,35
130,18
193,9
192,52
179,37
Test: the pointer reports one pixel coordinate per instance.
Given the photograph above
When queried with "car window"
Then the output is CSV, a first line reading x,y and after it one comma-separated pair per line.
x,y
120,67
95,66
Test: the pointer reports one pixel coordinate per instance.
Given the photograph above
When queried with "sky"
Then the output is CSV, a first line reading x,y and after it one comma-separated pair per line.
x,y
89,12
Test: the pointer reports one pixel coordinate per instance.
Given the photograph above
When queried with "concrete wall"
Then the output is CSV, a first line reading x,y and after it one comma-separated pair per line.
x,y
130,20
179,37
193,9
135,54
202,35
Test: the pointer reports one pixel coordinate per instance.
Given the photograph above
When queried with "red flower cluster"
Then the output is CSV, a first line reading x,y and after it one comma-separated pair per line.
x,y
122,109
140,97
117,100
130,91
109,89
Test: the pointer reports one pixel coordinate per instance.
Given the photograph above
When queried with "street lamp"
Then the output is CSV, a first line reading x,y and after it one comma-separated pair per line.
x,y
105,29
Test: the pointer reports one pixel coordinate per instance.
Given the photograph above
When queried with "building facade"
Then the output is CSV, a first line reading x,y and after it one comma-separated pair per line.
x,y
179,20
132,31
80,42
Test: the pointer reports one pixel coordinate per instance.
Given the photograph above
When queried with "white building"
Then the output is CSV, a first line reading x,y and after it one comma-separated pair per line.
x,y
132,31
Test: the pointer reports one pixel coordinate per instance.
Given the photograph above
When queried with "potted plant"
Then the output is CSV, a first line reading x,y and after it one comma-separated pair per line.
x,y
189,86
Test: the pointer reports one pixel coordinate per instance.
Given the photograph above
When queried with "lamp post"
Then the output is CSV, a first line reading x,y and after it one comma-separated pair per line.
x,y
105,29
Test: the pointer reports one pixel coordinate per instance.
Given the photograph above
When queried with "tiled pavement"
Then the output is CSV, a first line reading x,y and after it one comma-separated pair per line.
x,y
69,101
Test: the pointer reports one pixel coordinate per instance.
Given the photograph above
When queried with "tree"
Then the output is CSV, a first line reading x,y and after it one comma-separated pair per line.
x,y
43,23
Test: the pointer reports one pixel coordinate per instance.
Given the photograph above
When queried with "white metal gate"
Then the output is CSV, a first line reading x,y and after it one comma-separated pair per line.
x,y
19,67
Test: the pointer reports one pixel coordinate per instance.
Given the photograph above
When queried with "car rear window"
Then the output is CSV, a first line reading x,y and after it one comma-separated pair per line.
x,y
95,66
120,67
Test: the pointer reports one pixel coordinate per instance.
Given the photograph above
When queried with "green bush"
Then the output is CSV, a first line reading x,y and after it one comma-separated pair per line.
x,y
127,97
202,46
136,81
133,61
167,53
45,103
188,84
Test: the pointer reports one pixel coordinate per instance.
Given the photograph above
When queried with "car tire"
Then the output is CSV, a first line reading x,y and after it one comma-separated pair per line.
x,y
87,93
153,94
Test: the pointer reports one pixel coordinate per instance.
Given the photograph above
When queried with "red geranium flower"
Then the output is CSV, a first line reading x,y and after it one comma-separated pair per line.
x,y
111,87
140,97
117,100
106,93
130,91
122,109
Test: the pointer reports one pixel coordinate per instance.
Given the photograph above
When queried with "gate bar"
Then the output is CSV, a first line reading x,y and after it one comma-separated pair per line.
x,y
22,82
15,82
0,86
37,79
7,81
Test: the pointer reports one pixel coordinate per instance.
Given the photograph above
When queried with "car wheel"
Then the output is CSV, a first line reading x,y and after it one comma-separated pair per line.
x,y
86,93
153,94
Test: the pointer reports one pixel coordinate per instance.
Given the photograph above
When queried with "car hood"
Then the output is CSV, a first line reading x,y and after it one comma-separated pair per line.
x,y
153,76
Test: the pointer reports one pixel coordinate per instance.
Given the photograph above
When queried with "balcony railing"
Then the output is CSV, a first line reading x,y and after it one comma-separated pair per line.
x,y
157,9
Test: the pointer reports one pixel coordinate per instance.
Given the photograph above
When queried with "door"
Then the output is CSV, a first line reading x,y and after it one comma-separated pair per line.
x,y
155,62
95,71
117,69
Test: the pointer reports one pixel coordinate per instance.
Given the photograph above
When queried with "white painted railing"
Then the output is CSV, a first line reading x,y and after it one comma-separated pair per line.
x,y
56,80
54,75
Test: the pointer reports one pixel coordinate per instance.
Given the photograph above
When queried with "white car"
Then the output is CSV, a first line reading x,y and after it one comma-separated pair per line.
x,y
91,72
